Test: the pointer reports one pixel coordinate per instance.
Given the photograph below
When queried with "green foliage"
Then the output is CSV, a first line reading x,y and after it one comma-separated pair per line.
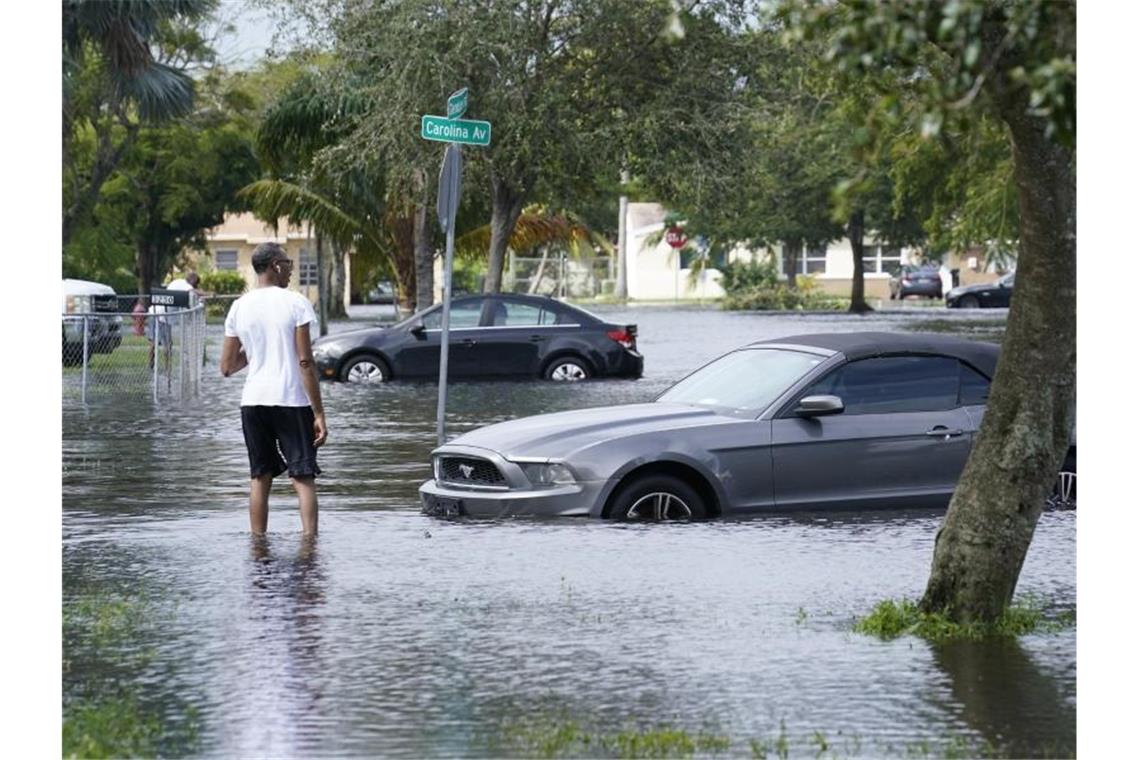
x,y
739,276
222,282
101,254
891,619
113,727
568,738
105,715
757,286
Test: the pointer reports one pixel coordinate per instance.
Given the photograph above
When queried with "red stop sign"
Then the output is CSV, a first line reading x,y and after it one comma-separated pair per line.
x,y
675,237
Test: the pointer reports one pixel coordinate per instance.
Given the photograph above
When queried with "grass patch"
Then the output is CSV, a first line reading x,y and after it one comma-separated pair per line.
x,y
568,738
974,329
891,619
118,726
549,735
106,636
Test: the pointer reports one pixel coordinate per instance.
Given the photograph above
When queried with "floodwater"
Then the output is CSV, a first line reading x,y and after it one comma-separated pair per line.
x,y
395,634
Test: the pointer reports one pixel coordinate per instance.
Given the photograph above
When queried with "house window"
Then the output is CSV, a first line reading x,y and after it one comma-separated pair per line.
x,y
226,261
881,259
813,261
307,271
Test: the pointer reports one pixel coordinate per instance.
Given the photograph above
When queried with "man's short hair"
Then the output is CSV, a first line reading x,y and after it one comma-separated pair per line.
x,y
192,278
265,254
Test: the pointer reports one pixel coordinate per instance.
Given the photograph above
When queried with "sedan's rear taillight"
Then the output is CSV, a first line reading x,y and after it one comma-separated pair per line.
x,y
626,336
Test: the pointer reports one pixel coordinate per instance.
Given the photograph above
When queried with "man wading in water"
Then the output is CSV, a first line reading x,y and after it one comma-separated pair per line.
x,y
267,330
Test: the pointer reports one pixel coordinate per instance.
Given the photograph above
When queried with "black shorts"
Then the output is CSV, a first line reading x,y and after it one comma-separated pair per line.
x,y
280,438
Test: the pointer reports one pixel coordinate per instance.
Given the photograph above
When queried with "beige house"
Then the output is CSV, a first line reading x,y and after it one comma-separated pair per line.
x,y
230,246
655,271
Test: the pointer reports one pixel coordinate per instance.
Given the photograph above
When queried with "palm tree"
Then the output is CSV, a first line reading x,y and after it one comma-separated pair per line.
x,y
112,80
537,227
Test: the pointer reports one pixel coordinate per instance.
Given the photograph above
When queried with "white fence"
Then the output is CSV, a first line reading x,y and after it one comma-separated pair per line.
x,y
133,352
560,275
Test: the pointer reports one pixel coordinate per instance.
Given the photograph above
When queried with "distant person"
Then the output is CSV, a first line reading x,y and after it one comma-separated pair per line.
x,y
189,282
158,331
282,416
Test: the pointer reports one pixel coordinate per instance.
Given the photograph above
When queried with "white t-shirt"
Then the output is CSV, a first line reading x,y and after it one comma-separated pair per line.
x,y
264,320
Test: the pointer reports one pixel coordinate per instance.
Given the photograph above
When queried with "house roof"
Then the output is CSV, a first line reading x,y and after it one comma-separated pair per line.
x,y
861,345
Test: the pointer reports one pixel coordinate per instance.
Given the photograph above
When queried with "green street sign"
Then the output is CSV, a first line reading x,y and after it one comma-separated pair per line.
x,y
457,104
465,131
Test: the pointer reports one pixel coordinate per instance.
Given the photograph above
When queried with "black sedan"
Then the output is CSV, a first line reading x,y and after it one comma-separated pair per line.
x,y
995,294
490,335
916,281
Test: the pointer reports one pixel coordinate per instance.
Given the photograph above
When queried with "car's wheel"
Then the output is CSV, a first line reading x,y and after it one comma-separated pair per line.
x,y
72,355
969,302
567,369
658,497
365,369
1064,495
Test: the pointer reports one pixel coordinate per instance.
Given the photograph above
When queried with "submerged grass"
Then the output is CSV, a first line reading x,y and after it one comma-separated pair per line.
x,y
549,737
104,713
564,737
891,619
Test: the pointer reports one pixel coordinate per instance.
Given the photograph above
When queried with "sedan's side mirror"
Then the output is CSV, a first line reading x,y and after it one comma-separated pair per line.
x,y
417,328
818,406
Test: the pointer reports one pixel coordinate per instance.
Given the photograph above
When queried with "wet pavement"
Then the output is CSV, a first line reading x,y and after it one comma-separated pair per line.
x,y
395,634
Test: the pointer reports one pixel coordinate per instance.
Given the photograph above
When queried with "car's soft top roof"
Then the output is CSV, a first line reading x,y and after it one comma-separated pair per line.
x,y
861,345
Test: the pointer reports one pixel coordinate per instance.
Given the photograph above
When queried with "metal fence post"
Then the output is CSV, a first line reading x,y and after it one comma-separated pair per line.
x,y
182,354
83,382
156,354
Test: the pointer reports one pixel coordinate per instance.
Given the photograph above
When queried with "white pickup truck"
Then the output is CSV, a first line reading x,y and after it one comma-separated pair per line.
x,y
99,304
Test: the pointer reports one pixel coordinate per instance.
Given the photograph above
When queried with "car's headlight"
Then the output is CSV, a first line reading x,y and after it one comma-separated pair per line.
x,y
550,474
321,350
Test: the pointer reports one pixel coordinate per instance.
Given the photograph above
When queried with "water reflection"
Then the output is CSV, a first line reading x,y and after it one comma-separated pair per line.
x,y
392,634
285,642
1002,694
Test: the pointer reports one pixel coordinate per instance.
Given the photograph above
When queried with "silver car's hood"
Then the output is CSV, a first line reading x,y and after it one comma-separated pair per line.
x,y
560,434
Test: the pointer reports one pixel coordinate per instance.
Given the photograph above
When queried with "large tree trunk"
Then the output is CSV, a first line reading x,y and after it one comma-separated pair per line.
x,y
506,207
146,266
336,283
859,303
402,229
792,251
424,252
1026,431
322,287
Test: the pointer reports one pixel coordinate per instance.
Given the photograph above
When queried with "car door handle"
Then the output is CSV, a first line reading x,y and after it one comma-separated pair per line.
x,y
537,338
944,432
469,342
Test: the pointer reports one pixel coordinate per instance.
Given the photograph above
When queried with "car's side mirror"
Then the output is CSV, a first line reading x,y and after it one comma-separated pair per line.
x,y
417,328
819,406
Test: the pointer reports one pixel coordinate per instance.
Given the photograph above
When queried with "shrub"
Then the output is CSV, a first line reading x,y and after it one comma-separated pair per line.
x,y
758,286
222,283
739,276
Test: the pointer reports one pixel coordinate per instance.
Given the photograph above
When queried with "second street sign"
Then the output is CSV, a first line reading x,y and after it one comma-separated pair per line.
x,y
465,131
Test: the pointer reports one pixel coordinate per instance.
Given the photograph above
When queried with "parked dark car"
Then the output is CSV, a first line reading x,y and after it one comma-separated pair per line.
x,y
916,281
383,292
490,335
855,420
990,294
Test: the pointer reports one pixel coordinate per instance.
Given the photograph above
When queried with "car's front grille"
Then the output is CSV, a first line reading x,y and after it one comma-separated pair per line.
x,y
469,471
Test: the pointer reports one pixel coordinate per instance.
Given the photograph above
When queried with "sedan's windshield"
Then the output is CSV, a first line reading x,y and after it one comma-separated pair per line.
x,y
743,382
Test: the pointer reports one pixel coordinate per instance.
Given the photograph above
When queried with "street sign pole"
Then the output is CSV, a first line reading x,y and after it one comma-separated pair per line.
x,y
450,175
444,341
454,131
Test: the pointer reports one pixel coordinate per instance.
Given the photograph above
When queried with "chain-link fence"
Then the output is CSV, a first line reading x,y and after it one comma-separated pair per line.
x,y
135,350
561,276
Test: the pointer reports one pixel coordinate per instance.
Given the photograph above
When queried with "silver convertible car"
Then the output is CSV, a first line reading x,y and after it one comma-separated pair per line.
x,y
841,420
